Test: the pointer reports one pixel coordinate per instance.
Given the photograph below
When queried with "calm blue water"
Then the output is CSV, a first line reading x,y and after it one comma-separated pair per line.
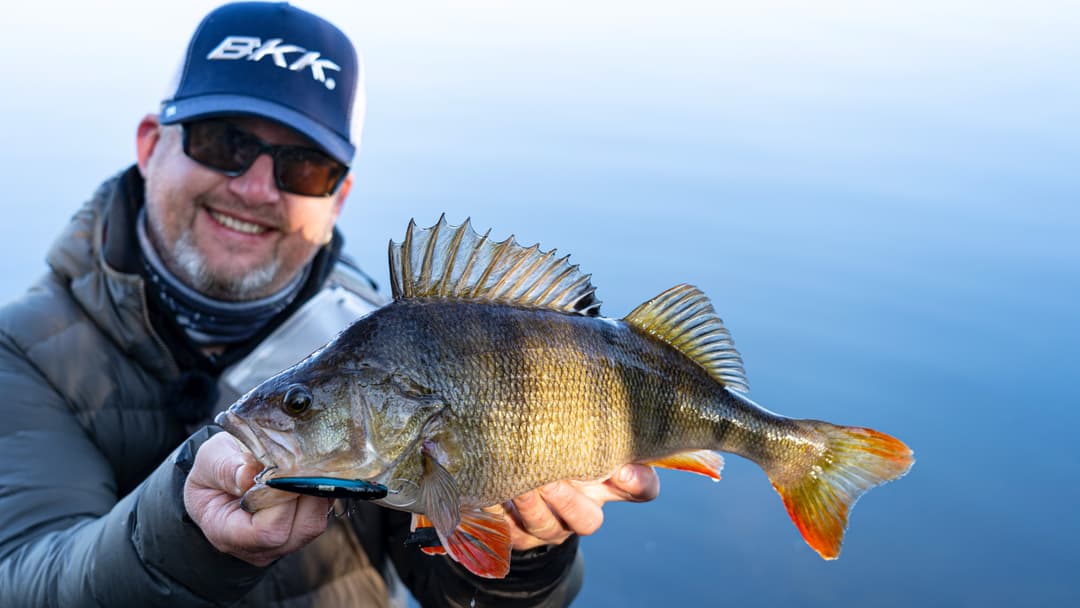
x,y
881,203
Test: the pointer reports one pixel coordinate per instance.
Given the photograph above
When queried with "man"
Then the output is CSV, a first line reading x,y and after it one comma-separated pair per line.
x,y
184,281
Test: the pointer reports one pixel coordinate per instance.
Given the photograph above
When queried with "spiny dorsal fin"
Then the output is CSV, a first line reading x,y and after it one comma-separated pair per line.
x,y
454,262
684,318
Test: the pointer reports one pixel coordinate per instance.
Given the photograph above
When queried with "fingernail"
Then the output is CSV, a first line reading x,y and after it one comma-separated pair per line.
x,y
626,474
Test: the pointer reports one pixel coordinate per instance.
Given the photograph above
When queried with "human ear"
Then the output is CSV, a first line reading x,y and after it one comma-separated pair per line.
x,y
146,139
342,194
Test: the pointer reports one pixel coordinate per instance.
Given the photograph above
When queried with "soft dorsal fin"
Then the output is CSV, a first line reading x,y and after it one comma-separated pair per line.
x,y
684,318
454,262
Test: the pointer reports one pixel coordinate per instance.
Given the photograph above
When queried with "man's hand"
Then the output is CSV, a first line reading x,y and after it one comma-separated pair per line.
x,y
550,514
284,522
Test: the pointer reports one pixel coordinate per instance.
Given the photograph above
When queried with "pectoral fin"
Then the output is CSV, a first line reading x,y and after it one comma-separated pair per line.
x,y
439,494
702,462
478,540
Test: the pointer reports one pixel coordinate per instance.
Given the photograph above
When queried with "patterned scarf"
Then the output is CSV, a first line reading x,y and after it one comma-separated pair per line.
x,y
208,321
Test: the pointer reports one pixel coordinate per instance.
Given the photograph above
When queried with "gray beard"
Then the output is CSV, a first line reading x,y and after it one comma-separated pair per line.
x,y
191,266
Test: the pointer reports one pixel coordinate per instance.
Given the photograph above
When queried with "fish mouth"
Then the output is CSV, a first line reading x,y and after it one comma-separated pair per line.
x,y
251,437
277,451
272,450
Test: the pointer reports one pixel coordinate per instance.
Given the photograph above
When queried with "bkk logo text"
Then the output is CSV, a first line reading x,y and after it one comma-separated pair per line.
x,y
254,49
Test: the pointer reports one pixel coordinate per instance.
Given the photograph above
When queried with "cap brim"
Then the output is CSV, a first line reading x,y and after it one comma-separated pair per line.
x,y
206,106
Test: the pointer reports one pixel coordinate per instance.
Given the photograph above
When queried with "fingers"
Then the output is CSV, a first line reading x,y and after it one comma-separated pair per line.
x,y
223,465
280,522
549,515
532,522
634,483
555,510
577,511
261,496
266,530
312,513
287,526
631,483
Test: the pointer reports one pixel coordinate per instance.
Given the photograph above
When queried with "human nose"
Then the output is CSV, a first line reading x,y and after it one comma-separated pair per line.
x,y
256,185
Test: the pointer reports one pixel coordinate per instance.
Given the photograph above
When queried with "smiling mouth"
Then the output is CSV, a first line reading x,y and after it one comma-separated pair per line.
x,y
237,224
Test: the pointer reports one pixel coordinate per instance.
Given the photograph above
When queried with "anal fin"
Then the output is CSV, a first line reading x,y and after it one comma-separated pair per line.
x,y
702,462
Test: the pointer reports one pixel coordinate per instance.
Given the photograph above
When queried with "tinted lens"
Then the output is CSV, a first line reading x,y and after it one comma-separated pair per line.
x,y
223,147
306,171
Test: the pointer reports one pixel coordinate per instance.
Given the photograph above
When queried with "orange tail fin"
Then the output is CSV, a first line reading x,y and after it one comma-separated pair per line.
x,y
853,461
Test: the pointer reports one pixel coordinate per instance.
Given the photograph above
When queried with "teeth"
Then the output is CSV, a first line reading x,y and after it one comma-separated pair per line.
x,y
238,225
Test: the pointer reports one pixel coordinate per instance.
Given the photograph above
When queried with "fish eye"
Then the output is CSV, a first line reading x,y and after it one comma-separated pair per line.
x,y
297,400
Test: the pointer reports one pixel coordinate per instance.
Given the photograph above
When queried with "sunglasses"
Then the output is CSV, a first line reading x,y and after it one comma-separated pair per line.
x,y
227,149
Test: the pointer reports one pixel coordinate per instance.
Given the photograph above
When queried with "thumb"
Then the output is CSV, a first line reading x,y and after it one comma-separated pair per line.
x,y
222,464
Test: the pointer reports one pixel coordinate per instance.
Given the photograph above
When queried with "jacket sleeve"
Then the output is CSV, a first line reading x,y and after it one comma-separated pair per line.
x,y
67,539
548,576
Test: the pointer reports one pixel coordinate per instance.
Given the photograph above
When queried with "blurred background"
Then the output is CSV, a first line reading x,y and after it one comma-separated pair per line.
x,y
879,197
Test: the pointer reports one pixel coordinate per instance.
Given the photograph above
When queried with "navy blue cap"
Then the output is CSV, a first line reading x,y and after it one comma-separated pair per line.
x,y
276,61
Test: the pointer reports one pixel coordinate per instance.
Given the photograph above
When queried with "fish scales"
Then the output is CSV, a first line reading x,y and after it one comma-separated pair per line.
x,y
492,373
547,396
